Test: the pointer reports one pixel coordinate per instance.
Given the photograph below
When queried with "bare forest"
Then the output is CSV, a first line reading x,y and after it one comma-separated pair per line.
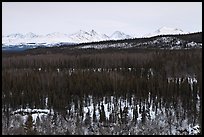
x,y
98,92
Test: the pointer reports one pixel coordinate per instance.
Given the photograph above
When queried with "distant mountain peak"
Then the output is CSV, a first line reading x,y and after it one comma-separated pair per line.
x,y
165,31
15,35
81,32
118,32
56,35
119,35
30,35
93,32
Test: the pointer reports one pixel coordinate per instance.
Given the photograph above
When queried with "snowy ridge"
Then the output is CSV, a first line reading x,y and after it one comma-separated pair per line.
x,y
57,37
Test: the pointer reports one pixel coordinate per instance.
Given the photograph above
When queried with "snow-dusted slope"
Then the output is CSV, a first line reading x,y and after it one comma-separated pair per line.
x,y
166,31
161,42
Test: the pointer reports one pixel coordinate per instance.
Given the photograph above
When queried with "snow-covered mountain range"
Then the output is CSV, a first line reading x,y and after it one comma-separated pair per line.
x,y
57,37
30,40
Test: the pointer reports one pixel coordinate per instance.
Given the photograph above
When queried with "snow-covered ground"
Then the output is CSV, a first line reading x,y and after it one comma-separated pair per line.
x,y
34,112
161,42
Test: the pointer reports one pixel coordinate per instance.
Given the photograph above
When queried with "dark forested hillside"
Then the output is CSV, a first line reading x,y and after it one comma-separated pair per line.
x,y
108,91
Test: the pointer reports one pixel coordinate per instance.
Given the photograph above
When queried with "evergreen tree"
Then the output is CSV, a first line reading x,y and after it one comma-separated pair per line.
x,y
29,126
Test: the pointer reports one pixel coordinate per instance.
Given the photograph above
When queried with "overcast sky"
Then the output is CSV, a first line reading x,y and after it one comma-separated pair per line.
x,y
134,18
